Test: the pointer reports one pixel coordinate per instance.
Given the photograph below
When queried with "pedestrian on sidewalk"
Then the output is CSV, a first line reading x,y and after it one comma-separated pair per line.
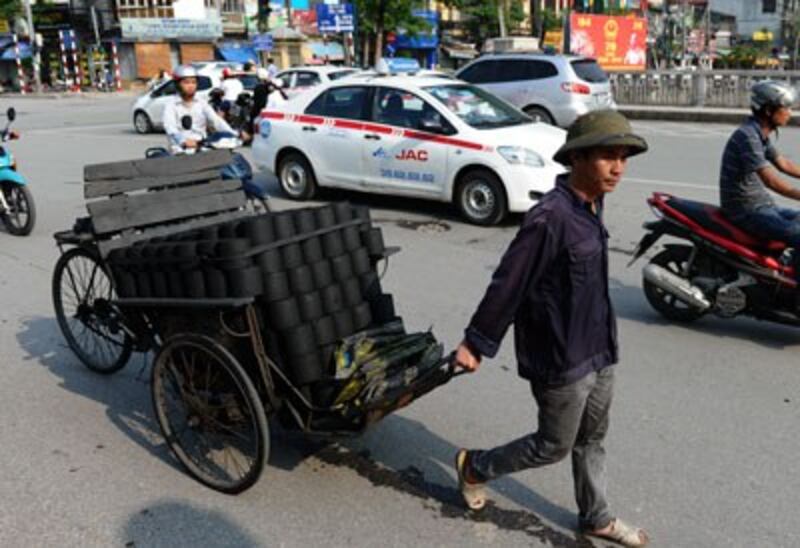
x,y
552,284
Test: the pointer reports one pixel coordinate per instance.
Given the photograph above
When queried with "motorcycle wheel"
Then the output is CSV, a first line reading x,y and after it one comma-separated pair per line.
x,y
21,214
674,259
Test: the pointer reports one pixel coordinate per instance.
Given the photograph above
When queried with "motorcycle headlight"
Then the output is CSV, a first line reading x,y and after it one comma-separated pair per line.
x,y
520,155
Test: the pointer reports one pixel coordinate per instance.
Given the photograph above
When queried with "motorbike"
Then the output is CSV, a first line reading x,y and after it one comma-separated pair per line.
x,y
718,268
239,168
17,209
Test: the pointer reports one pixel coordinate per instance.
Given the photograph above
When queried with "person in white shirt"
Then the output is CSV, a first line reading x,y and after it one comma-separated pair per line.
x,y
186,104
231,85
272,68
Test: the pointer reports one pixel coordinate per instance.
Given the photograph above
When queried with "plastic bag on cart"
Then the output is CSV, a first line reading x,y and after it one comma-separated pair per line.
x,y
386,366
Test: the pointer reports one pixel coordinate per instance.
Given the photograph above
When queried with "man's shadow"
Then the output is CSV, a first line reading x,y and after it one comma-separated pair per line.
x,y
405,455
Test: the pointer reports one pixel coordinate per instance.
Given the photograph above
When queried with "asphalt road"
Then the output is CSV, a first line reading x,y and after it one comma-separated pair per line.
x,y
703,448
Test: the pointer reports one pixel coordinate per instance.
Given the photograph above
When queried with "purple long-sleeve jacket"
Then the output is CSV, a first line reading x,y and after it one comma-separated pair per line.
x,y
552,284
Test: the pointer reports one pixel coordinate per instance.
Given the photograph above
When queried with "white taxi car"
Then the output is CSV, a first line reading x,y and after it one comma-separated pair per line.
x,y
300,79
415,136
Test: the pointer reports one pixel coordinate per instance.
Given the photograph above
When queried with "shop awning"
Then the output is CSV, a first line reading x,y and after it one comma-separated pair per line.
x,y
9,54
238,54
333,51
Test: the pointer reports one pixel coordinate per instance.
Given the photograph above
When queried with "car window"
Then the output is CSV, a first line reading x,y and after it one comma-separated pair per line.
x,y
480,73
476,107
306,80
345,102
286,79
396,107
589,71
249,81
167,89
203,83
340,74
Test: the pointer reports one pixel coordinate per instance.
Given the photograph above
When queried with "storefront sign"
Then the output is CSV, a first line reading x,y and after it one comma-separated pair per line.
x,y
618,43
155,29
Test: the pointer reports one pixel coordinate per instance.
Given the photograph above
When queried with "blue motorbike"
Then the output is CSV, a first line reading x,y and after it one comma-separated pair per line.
x,y
17,210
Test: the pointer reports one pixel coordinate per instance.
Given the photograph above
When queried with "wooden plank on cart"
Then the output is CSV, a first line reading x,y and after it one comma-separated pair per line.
x,y
108,187
166,166
130,237
122,212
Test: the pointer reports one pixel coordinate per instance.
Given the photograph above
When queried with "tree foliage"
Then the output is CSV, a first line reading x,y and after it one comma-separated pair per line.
x,y
10,9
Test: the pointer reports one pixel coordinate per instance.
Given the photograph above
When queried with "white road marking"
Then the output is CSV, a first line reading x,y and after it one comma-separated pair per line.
x,y
677,184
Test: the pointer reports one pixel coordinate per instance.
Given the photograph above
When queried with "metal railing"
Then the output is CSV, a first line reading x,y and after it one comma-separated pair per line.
x,y
719,88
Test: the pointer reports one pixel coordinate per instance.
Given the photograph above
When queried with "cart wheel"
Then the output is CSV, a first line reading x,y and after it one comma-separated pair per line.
x,y
82,294
210,413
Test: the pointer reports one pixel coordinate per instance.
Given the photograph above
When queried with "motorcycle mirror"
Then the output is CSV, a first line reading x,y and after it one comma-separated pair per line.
x,y
186,122
11,114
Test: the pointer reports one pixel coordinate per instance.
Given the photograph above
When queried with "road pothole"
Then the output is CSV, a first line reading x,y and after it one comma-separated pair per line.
x,y
426,227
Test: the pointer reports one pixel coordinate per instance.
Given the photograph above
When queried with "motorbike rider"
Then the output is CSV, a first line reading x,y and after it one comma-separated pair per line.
x,y
751,164
186,104
231,85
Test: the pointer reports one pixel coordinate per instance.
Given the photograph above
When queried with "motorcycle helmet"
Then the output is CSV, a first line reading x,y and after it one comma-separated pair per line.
x,y
772,93
226,73
184,71
262,73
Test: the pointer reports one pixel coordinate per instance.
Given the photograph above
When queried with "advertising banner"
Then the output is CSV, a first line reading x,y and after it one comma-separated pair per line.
x,y
155,29
618,43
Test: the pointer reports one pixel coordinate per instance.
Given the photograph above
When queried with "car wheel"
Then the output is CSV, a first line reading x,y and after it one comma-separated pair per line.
x,y
142,123
539,115
480,198
296,177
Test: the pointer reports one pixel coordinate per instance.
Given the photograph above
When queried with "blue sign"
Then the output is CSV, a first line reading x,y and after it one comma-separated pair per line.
x,y
427,39
397,65
262,42
335,18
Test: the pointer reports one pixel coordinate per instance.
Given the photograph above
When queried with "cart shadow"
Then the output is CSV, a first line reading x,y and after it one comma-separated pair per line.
x,y
631,304
404,455
173,523
124,395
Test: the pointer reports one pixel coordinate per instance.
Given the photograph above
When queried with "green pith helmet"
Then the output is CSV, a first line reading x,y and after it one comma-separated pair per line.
x,y
601,128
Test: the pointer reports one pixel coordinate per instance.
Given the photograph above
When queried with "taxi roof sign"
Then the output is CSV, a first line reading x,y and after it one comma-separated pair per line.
x,y
396,65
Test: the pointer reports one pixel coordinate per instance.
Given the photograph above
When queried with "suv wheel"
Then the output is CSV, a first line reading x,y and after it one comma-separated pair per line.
x,y
539,115
480,198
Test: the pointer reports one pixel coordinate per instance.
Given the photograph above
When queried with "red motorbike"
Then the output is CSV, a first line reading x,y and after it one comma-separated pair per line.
x,y
720,269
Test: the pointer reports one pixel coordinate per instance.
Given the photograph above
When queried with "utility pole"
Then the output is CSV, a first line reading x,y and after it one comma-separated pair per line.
x,y
37,77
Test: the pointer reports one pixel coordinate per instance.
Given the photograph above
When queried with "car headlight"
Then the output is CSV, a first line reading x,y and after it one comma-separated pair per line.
x,y
520,155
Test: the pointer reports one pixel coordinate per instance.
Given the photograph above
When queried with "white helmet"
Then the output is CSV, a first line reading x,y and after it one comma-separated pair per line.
x,y
262,73
184,71
772,93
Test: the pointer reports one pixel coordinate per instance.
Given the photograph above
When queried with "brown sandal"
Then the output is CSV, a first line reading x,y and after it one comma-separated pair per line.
x,y
474,493
622,533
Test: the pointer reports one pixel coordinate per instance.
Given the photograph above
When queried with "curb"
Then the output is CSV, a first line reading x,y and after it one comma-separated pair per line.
x,y
690,114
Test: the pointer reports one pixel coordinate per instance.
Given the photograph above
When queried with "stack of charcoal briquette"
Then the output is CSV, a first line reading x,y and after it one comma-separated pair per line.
x,y
313,271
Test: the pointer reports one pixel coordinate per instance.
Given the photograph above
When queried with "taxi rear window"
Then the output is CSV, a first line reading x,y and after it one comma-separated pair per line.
x,y
345,102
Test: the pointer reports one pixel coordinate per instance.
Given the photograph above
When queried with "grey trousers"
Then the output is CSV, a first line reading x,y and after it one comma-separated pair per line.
x,y
572,418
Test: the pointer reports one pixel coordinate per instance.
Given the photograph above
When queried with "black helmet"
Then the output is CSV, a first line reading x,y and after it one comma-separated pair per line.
x,y
772,93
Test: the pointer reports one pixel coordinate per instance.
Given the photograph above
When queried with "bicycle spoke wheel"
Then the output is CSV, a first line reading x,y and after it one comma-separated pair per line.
x,y
82,294
210,413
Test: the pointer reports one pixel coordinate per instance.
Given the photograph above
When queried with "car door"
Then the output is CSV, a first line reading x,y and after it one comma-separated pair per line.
x,y
398,156
333,134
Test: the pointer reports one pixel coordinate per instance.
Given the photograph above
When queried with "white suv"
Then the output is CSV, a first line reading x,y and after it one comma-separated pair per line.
x,y
554,89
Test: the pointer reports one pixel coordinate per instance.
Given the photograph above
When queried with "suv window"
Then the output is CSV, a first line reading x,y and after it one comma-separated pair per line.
x,y
306,80
344,102
480,73
589,71
515,70
340,74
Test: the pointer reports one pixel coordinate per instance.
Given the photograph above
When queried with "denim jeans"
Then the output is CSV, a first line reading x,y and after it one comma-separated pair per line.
x,y
774,223
572,418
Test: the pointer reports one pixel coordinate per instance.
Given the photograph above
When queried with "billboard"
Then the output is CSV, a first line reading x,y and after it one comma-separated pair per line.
x,y
618,43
